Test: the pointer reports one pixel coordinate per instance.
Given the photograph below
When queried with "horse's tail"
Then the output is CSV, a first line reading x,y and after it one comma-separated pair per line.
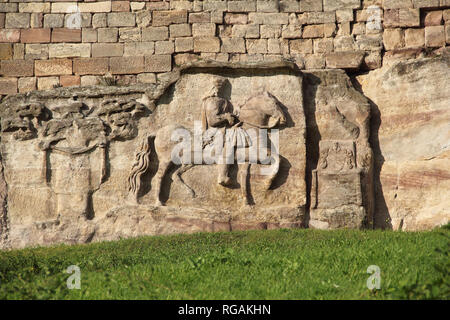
x,y
140,167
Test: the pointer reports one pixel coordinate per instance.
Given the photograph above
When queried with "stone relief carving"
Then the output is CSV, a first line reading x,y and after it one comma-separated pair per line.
x,y
212,149
340,196
230,125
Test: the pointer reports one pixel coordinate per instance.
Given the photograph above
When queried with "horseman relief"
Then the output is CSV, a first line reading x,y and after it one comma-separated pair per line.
x,y
229,135
230,145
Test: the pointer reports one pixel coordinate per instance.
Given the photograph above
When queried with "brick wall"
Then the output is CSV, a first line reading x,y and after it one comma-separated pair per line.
x,y
44,44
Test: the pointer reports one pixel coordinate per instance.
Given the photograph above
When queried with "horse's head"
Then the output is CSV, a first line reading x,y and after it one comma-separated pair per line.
x,y
263,111
273,109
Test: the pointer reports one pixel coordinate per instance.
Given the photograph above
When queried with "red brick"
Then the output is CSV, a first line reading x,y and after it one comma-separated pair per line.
x,y
69,81
17,68
90,66
8,85
35,35
66,35
54,67
9,35
126,65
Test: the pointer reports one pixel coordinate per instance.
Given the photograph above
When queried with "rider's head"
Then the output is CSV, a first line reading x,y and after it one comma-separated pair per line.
x,y
218,83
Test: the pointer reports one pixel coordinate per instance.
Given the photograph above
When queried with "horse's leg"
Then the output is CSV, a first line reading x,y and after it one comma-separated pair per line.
x,y
244,170
275,168
179,172
164,166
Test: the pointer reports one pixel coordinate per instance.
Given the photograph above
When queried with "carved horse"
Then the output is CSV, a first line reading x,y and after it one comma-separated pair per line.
x,y
262,111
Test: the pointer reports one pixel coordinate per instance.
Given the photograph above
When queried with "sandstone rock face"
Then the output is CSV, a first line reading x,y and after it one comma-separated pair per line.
x,y
410,136
216,147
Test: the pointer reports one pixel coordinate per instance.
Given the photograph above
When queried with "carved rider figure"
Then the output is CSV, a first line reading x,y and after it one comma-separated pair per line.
x,y
218,113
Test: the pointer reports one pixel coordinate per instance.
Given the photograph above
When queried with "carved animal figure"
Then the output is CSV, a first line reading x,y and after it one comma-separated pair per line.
x,y
261,111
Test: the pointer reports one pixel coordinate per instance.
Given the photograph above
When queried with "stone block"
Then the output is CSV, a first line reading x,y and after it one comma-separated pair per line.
x,y
313,31
52,67
397,4
435,36
17,68
310,5
433,18
333,5
250,31
166,18
401,18
344,60
8,85
98,6
121,6
414,38
126,65
204,29
233,45
17,20
158,63
129,34
89,35
107,34
35,35
26,84
69,50
36,51
155,33
206,44
164,47
66,35
393,39
199,17
107,50
121,19
139,48
40,7
300,46
53,20
6,51
184,44
271,31
256,46
92,66
235,18
47,83
69,81
180,30
242,6
268,18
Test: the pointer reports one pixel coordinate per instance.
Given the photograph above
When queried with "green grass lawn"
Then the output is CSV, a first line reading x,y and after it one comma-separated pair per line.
x,y
278,264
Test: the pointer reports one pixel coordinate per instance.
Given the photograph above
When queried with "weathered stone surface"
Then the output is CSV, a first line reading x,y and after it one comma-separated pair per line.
x,y
18,68
90,66
435,36
8,85
165,18
340,155
344,60
6,51
53,67
35,35
66,35
410,137
88,156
